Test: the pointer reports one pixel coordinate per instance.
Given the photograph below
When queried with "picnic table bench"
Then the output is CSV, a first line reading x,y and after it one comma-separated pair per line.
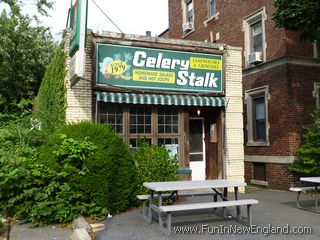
x,y
146,197
199,206
299,190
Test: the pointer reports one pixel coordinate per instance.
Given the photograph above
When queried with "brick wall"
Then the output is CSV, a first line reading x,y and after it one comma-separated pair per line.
x,y
290,82
229,25
79,96
248,171
234,127
278,176
289,106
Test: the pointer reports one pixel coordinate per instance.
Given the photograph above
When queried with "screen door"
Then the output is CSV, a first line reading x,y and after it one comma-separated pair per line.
x,y
197,149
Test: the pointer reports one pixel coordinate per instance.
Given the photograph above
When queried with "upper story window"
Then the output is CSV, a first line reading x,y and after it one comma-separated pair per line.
x,y
254,38
212,8
190,11
257,116
257,41
188,16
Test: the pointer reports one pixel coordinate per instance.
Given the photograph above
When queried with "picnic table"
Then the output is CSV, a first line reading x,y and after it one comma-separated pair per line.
x,y
219,188
316,182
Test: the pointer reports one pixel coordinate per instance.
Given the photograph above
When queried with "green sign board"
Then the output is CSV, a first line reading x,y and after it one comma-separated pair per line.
x,y
78,23
75,19
157,69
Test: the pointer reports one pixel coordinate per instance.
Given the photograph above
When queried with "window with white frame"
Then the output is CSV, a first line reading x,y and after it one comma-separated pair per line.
x,y
189,11
316,94
257,116
254,38
188,16
212,8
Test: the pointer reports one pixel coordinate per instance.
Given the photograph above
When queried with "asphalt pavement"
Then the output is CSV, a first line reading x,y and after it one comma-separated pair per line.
x,y
275,217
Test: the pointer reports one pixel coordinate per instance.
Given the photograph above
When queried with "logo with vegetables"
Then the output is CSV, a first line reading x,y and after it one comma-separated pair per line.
x,y
117,66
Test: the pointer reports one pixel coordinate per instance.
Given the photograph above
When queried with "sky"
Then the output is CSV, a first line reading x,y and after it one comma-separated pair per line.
x,y
131,16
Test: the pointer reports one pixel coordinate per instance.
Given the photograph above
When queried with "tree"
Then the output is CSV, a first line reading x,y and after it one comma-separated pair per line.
x,y
300,16
308,162
42,5
25,51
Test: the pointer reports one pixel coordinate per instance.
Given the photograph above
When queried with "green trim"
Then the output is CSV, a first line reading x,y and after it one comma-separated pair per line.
x,y
184,171
156,99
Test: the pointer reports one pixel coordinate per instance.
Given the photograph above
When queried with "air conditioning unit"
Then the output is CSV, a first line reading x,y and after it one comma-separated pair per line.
x,y
187,26
255,57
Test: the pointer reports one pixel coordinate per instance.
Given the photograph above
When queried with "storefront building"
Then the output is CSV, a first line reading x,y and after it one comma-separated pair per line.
x,y
183,95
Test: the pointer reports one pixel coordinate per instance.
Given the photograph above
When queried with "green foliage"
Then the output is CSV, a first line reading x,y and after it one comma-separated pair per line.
x,y
308,162
42,6
300,16
25,50
110,173
51,101
153,164
36,193
18,135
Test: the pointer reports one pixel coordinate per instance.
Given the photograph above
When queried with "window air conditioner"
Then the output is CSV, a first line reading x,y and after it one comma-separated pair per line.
x,y
255,58
187,26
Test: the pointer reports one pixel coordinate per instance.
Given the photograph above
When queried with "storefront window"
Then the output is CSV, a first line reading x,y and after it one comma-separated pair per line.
x,y
136,123
112,115
168,121
171,144
140,120
135,142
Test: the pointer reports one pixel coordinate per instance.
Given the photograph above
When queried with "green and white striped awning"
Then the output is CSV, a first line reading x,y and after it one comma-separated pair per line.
x,y
156,99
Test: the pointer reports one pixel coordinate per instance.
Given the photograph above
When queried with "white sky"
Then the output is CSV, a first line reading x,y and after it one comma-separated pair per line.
x,y
131,16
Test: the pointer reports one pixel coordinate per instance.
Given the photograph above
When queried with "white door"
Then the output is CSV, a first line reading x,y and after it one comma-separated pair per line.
x,y
197,149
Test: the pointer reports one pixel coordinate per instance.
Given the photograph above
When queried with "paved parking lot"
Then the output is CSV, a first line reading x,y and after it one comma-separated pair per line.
x,y
275,213
275,217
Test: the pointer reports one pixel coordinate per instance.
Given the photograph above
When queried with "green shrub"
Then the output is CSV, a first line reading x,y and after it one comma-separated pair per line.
x,y
37,193
18,150
308,161
51,102
110,178
153,164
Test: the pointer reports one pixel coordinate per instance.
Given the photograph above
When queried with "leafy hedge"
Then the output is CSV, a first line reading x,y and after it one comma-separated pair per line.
x,y
308,162
110,178
51,100
153,164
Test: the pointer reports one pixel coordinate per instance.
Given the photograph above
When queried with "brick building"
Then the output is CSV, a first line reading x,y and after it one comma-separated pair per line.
x,y
172,93
281,78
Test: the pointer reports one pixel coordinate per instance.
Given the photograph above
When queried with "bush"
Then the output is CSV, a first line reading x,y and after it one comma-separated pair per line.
x,y
20,141
51,101
36,193
308,162
153,164
110,173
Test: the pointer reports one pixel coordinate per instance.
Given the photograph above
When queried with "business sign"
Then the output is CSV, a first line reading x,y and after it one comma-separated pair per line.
x,y
155,69
78,28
